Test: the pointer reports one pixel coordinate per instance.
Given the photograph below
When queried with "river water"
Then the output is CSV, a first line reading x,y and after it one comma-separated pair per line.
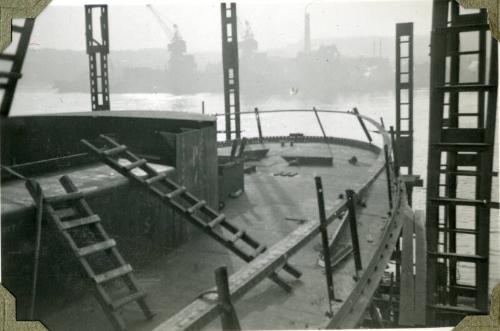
x,y
375,105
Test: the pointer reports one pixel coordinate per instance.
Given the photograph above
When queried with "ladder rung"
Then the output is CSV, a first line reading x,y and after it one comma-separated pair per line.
x,y
461,172
459,257
129,298
196,206
103,245
138,163
462,146
465,28
460,309
461,202
237,236
17,28
114,273
458,230
156,178
217,220
467,87
259,250
468,114
65,212
10,75
115,150
176,192
64,197
7,57
468,52
80,222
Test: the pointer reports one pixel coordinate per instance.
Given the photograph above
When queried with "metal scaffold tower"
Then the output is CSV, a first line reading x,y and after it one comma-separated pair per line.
x,y
98,50
8,79
231,70
404,96
461,141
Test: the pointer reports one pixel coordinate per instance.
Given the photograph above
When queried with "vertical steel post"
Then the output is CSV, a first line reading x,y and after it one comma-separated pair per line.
x,y
395,151
241,151
229,319
483,193
257,117
324,240
388,175
323,131
230,69
203,107
36,188
234,147
362,123
354,228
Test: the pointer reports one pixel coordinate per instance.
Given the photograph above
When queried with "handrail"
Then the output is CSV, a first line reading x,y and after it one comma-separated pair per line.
x,y
201,311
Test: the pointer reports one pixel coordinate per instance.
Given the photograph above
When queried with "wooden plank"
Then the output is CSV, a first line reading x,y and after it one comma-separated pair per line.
x,y
421,268
407,289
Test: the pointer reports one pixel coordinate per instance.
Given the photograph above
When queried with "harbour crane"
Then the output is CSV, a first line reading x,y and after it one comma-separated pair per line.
x,y
177,45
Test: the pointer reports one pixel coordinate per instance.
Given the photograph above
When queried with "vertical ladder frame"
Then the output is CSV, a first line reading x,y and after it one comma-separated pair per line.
x,y
98,58
230,67
469,147
404,134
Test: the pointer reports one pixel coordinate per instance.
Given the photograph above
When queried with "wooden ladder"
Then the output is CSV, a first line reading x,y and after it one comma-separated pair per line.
x,y
194,210
80,225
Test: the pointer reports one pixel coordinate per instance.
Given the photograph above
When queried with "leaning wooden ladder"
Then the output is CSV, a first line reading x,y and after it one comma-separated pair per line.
x,y
71,212
185,204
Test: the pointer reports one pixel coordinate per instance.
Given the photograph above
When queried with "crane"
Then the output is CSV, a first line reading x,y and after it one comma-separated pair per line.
x,y
172,33
177,46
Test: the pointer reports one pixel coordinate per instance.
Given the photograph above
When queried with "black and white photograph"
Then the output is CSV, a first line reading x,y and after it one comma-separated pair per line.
x,y
249,165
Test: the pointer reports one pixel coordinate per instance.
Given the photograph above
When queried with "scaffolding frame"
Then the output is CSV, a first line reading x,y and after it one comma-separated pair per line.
x,y
456,151
404,96
98,50
230,68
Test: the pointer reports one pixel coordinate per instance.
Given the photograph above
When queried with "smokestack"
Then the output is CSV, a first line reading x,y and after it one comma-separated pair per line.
x,y
307,34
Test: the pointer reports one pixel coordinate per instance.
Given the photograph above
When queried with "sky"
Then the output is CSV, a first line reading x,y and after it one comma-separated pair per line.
x,y
275,23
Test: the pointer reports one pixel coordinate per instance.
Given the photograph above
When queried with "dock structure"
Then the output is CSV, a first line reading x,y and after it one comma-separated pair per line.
x,y
231,70
98,50
461,141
